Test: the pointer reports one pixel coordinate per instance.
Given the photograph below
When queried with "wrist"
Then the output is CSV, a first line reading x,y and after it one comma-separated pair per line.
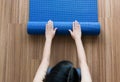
x,y
78,39
48,40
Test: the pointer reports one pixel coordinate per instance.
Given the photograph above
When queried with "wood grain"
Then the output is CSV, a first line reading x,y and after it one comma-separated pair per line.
x,y
20,54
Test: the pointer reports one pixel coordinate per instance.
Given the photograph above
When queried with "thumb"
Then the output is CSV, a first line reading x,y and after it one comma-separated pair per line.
x,y
55,29
70,31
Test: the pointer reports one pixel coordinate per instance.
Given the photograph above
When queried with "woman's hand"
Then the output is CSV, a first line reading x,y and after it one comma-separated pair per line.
x,y
76,33
50,31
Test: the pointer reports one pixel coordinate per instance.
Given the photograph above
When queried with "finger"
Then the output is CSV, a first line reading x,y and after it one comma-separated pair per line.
x,y
46,26
46,29
80,26
50,23
77,25
70,31
55,29
73,25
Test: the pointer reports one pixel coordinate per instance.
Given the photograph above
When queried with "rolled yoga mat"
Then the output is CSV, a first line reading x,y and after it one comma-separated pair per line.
x,y
63,13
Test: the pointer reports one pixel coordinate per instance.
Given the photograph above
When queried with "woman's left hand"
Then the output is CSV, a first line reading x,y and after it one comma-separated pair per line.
x,y
50,31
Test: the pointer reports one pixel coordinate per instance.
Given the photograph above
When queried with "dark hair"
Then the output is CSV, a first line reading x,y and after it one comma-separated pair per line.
x,y
62,72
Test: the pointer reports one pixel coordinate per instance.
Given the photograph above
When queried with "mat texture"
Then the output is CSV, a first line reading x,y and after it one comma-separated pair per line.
x,y
63,13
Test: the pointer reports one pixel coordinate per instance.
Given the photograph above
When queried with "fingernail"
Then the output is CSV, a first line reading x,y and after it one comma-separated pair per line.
x,y
50,21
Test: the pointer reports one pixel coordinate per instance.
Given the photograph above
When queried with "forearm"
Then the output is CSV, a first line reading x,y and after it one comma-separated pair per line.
x,y
47,50
41,72
86,77
80,50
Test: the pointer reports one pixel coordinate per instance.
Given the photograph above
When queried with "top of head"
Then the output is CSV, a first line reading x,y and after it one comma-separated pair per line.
x,y
63,72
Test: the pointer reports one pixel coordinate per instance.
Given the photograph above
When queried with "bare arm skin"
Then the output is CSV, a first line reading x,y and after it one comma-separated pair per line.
x,y
76,35
41,72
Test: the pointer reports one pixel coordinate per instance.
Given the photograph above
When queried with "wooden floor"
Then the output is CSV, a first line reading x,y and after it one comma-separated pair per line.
x,y
20,54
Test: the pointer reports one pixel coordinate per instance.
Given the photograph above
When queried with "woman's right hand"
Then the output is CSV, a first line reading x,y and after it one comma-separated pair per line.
x,y
76,32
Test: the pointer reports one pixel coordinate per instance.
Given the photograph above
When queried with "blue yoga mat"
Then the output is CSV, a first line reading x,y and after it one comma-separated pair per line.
x,y
63,13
